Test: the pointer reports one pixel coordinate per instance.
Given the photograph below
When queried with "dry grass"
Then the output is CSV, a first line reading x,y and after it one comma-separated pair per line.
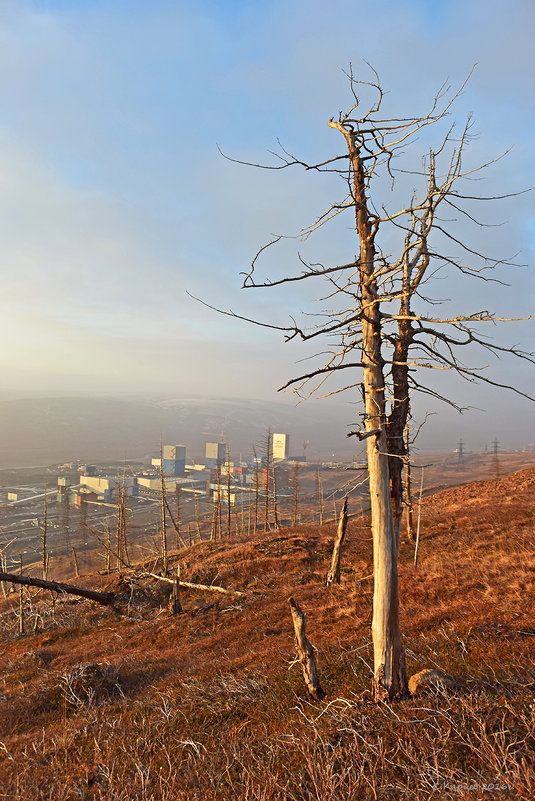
x,y
210,705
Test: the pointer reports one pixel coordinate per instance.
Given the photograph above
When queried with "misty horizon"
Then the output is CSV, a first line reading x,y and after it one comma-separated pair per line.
x,y
116,200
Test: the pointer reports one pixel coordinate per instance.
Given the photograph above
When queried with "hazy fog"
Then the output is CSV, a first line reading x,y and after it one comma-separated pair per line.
x,y
115,200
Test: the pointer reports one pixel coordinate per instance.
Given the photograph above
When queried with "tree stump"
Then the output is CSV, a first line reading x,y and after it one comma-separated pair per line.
x,y
305,652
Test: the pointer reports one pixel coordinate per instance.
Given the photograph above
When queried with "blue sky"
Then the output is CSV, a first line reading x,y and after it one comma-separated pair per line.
x,y
114,199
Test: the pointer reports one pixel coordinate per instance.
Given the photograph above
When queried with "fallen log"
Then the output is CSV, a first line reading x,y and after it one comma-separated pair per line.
x,y
192,586
105,598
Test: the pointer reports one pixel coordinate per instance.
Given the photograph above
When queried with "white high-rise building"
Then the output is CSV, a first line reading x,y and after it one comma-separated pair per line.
x,y
281,446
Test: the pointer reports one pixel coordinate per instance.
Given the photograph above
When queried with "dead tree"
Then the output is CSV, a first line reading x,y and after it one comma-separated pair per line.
x,y
229,510
320,496
408,490
177,521
21,599
383,329
175,607
75,562
334,571
45,523
275,510
163,501
296,493
305,653
105,598
219,502
256,485
107,566
266,473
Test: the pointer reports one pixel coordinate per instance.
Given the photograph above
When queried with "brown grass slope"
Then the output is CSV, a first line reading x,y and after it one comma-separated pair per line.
x,y
210,704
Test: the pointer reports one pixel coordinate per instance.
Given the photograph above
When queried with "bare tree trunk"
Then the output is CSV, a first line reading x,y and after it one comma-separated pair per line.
x,y
408,489
267,474
162,515
228,495
219,502
45,523
175,607
320,497
417,544
105,598
305,652
213,530
296,494
21,602
177,523
197,520
256,492
390,676
334,573
75,561
108,548
178,536
237,509
275,512
3,567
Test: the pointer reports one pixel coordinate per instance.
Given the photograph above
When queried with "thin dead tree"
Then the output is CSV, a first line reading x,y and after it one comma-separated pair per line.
x,y
213,529
275,510
197,516
333,576
219,502
229,510
163,501
107,567
266,474
256,485
121,535
296,493
408,488
45,523
175,607
21,599
379,323
320,496
417,539
177,518
75,562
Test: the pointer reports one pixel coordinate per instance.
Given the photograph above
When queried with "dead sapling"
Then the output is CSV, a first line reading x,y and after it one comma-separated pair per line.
x,y
175,607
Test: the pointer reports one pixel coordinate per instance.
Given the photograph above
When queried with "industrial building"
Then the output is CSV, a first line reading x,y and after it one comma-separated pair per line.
x,y
281,446
174,460
155,483
104,486
215,454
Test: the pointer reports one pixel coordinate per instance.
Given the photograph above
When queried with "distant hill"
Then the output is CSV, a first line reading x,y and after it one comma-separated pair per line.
x,y
46,430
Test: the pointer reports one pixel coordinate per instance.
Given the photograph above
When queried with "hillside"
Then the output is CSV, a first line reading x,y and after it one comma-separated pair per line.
x,y
210,704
